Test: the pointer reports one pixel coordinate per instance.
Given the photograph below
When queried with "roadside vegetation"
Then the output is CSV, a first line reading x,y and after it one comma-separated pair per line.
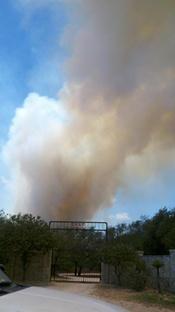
x,y
21,236
75,251
147,300
152,236
150,297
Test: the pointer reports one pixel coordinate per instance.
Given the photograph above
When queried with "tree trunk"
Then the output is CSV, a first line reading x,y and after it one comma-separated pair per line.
x,y
79,271
158,281
76,268
118,274
119,279
24,266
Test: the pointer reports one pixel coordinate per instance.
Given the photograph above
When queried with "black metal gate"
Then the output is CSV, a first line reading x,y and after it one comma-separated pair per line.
x,y
76,257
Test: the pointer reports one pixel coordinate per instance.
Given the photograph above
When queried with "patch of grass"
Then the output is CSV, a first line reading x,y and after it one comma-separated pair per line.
x,y
154,298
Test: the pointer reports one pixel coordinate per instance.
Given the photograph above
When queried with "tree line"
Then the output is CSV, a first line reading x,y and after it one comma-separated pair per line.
x,y
154,236
23,235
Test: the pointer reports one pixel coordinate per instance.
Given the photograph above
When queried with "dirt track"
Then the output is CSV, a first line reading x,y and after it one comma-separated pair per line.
x,y
111,295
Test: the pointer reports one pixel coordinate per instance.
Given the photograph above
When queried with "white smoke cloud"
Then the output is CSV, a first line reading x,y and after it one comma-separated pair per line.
x,y
121,217
118,102
61,162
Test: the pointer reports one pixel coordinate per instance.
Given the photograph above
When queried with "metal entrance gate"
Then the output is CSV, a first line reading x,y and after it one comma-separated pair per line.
x,y
77,255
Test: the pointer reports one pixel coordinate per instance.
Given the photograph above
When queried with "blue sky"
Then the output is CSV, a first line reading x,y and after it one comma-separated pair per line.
x,y
24,56
31,60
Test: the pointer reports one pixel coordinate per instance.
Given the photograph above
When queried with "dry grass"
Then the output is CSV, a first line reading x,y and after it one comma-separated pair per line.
x,y
137,301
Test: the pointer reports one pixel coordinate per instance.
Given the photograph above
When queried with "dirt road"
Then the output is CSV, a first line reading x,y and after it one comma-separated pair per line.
x,y
110,295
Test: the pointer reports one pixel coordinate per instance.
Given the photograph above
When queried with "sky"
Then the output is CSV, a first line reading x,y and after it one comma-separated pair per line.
x,y
87,108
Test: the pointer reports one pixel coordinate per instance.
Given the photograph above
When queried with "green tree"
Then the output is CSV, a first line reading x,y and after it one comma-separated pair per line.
x,y
5,238
152,235
121,257
28,235
158,237
157,264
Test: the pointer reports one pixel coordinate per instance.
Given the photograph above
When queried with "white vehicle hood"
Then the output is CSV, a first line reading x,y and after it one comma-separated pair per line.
x,y
38,299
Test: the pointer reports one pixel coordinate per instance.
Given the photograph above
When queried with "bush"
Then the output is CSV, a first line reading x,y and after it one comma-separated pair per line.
x,y
138,280
135,276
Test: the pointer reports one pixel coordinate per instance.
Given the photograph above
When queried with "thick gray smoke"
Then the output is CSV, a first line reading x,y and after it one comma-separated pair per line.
x,y
67,156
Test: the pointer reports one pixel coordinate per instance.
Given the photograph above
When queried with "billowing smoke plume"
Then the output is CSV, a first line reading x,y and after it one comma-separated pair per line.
x,y
67,156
